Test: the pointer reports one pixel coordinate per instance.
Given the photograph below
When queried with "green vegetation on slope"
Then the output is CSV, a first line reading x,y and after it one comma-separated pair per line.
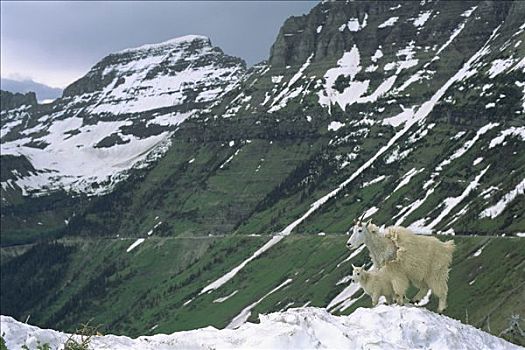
x,y
158,283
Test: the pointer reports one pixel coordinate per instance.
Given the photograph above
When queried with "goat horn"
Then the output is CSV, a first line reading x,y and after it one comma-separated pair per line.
x,y
362,217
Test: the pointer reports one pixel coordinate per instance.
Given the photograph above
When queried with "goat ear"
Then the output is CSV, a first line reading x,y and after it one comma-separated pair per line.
x,y
353,267
368,222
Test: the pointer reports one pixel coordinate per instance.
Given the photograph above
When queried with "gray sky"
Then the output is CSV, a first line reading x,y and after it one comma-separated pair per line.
x,y
57,42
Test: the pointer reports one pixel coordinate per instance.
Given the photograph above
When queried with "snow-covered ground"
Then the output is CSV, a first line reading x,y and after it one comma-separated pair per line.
x,y
383,327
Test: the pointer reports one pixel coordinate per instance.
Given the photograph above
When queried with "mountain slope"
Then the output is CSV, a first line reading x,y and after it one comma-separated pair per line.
x,y
414,147
115,120
410,98
122,112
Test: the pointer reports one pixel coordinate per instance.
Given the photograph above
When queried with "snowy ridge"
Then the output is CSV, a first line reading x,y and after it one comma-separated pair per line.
x,y
172,42
90,139
383,327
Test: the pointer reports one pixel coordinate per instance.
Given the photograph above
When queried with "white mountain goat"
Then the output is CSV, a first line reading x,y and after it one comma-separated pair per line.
x,y
387,282
380,248
424,260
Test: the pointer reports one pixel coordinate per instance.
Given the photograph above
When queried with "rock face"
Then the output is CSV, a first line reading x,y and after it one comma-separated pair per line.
x,y
15,100
120,114
333,27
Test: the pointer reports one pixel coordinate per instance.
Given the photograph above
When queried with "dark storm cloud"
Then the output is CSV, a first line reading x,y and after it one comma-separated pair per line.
x,y
51,41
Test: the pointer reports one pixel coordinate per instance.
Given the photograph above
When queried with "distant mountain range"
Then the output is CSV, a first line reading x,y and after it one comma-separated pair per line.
x,y
43,92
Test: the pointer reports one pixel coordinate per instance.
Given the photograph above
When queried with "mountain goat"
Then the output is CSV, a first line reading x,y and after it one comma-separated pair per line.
x,y
387,282
424,260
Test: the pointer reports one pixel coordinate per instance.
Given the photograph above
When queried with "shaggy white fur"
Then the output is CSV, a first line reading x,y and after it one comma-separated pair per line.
x,y
425,260
380,248
387,282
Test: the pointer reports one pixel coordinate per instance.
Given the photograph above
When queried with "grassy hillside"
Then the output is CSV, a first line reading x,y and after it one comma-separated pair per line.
x,y
129,293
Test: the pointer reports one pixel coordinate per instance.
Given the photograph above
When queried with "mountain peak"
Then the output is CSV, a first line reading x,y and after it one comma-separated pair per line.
x,y
171,42
123,109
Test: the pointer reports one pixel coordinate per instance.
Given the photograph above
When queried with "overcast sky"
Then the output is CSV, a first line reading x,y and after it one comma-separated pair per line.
x,y
57,42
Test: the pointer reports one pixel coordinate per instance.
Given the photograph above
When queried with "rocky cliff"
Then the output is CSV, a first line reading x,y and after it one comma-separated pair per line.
x,y
16,100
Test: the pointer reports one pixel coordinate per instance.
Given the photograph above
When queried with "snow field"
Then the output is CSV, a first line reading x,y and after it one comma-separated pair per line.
x,y
383,327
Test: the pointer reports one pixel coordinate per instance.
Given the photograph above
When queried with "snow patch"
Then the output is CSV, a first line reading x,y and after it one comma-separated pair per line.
x,y
401,118
499,207
479,251
353,255
512,131
347,66
277,79
370,212
451,202
477,161
468,145
456,32
243,316
135,244
500,65
373,181
425,300
228,276
335,125
285,95
377,55
353,24
388,23
458,135
223,299
422,18
407,177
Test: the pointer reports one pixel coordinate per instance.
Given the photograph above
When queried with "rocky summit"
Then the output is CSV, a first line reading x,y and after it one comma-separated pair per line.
x,y
171,188
15,100
119,115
